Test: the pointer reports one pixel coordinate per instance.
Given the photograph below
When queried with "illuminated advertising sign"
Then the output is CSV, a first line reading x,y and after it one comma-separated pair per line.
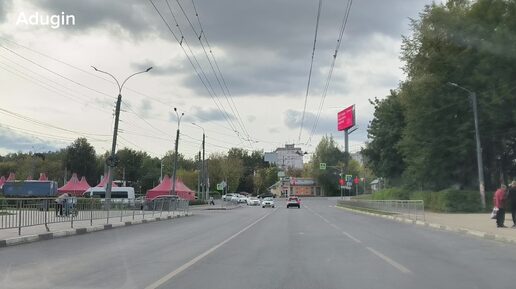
x,y
346,118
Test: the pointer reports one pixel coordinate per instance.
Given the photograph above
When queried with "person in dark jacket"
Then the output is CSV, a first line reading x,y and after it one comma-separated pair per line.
x,y
512,199
499,202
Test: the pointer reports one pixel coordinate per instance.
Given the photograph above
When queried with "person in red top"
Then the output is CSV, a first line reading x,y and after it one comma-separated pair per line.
x,y
499,202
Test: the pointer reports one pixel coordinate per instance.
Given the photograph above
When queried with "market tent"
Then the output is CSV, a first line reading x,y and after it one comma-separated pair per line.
x,y
104,180
74,187
165,188
12,177
183,191
84,183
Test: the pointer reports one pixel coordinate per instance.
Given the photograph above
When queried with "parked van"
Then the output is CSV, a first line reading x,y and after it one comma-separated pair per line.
x,y
118,194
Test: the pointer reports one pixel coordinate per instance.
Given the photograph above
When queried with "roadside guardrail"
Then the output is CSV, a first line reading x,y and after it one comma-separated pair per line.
x,y
410,209
25,212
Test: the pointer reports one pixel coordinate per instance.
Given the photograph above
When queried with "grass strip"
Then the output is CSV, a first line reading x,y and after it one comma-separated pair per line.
x,y
367,210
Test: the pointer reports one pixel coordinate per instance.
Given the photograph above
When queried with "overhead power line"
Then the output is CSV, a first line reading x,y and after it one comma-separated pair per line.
x,y
310,71
330,72
201,74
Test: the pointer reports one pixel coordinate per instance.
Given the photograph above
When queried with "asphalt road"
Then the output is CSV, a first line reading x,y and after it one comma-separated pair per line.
x,y
317,246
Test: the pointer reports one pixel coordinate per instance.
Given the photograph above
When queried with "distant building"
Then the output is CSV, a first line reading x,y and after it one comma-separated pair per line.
x,y
288,157
292,186
357,157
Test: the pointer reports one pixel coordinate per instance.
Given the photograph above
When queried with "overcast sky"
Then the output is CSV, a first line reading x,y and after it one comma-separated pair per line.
x,y
50,95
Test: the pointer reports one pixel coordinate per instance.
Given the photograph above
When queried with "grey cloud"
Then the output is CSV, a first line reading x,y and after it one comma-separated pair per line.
x,y
131,16
262,47
13,141
174,68
199,114
145,108
4,7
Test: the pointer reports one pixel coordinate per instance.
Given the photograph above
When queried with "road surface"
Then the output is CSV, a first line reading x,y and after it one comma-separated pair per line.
x,y
317,246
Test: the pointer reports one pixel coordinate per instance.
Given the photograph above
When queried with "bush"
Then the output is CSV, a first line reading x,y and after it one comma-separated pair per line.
x,y
197,202
392,194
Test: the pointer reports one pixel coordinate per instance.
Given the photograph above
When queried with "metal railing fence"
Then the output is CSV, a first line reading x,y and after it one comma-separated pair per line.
x,y
410,209
26,212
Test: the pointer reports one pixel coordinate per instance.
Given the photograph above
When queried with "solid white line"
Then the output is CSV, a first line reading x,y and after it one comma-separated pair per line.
x,y
188,264
395,264
351,237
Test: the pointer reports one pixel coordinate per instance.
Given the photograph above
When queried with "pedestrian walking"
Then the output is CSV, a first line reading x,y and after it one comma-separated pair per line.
x,y
60,202
499,202
512,199
212,202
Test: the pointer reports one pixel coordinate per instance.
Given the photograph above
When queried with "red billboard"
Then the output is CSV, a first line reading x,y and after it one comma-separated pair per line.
x,y
346,118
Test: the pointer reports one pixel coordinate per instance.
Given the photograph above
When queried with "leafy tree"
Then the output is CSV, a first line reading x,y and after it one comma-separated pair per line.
x,y
80,158
382,154
464,42
328,152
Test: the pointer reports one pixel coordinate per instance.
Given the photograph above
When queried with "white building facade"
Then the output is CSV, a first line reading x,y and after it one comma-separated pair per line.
x,y
288,157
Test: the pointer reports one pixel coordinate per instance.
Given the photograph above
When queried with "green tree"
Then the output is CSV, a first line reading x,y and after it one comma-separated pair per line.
x,y
80,158
328,152
382,153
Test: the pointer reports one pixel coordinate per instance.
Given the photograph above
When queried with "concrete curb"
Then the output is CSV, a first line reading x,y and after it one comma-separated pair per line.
x,y
221,208
79,231
464,231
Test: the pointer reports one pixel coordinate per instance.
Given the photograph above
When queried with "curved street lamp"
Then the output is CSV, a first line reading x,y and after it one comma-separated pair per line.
x,y
111,160
480,165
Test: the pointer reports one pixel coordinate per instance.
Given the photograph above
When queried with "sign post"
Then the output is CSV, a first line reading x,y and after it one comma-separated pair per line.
x,y
322,166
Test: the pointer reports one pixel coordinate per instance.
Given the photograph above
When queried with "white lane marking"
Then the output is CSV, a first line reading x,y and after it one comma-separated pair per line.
x,y
335,226
351,237
188,264
395,264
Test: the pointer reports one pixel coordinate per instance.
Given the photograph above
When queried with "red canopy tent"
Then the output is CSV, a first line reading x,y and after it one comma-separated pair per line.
x,y
11,177
74,187
165,188
104,180
84,183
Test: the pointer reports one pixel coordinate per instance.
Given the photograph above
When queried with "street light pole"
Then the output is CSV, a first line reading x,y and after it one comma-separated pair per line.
x,y
176,149
203,169
111,161
480,165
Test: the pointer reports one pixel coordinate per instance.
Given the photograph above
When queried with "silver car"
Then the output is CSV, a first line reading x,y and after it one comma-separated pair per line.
x,y
268,202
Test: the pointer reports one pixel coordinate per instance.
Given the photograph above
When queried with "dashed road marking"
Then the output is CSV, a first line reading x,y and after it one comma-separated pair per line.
x,y
190,263
351,237
391,262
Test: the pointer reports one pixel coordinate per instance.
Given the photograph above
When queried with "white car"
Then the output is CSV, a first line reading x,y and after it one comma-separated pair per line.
x,y
235,198
268,202
227,197
253,201
242,199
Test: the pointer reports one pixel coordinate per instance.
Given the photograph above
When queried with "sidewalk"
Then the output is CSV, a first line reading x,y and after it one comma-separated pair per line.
x,y
10,237
474,222
478,225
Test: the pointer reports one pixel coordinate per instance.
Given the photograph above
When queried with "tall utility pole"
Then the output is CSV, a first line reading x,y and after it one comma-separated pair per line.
x,y
175,154
480,165
111,160
205,192
199,177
